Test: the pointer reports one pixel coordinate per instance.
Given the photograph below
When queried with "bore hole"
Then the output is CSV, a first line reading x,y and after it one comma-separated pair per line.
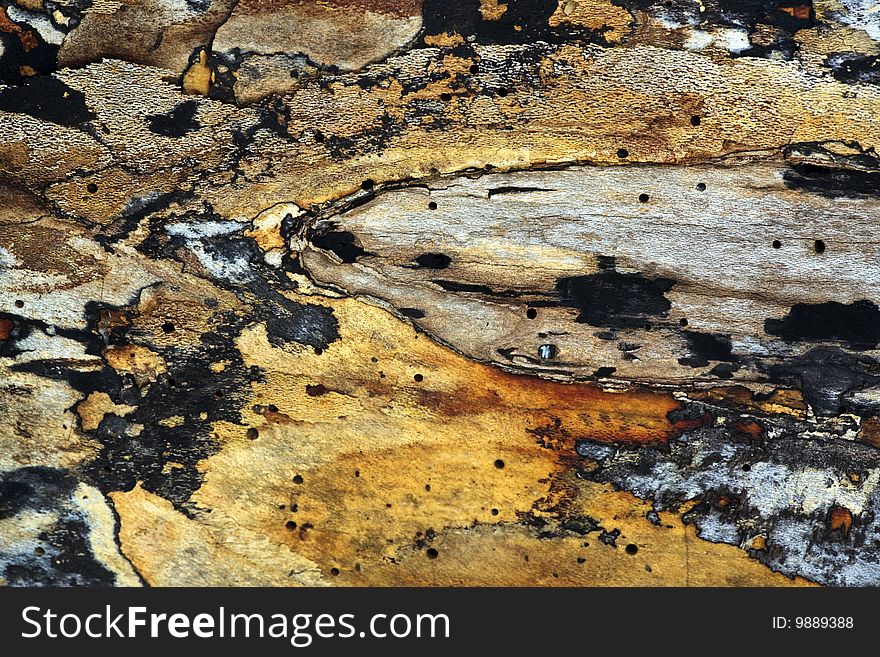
x,y
445,97
298,479
319,136
432,205
531,313
357,473
168,327
428,487
252,434
695,120
92,188
494,512
499,463
334,571
701,187
643,198
367,184
622,153
290,524
418,378
632,548
19,303
819,246
777,244
39,551
474,69
432,553
747,467
318,351
502,92
683,321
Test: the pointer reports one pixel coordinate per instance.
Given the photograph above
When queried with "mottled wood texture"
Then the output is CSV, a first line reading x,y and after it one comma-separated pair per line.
x,y
362,292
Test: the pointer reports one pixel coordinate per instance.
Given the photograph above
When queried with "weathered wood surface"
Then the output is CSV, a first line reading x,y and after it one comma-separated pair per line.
x,y
526,292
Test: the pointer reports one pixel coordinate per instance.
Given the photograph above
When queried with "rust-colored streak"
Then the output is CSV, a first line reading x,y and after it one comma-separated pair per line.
x,y
28,40
840,519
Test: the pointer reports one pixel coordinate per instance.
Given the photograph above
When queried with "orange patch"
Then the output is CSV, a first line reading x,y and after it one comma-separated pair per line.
x,y
28,40
750,430
800,11
841,519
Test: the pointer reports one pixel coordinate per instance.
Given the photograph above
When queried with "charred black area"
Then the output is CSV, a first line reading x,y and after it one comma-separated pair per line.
x,y
62,555
341,243
826,376
857,323
854,68
455,286
497,191
25,50
161,443
177,122
255,283
611,299
47,98
831,181
524,21
776,19
433,261
176,413
706,347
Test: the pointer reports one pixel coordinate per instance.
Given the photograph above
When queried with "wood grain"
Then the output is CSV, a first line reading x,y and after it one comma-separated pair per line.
x,y
428,293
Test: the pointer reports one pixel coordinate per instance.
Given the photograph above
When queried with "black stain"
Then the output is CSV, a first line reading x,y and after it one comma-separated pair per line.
x,y
454,286
164,456
49,99
857,323
611,299
65,557
342,243
854,68
832,181
496,191
826,376
706,347
775,20
433,260
414,313
177,122
524,21
38,55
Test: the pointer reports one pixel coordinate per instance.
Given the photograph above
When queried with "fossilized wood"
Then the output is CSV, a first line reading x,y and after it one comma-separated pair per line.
x,y
648,273
233,325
